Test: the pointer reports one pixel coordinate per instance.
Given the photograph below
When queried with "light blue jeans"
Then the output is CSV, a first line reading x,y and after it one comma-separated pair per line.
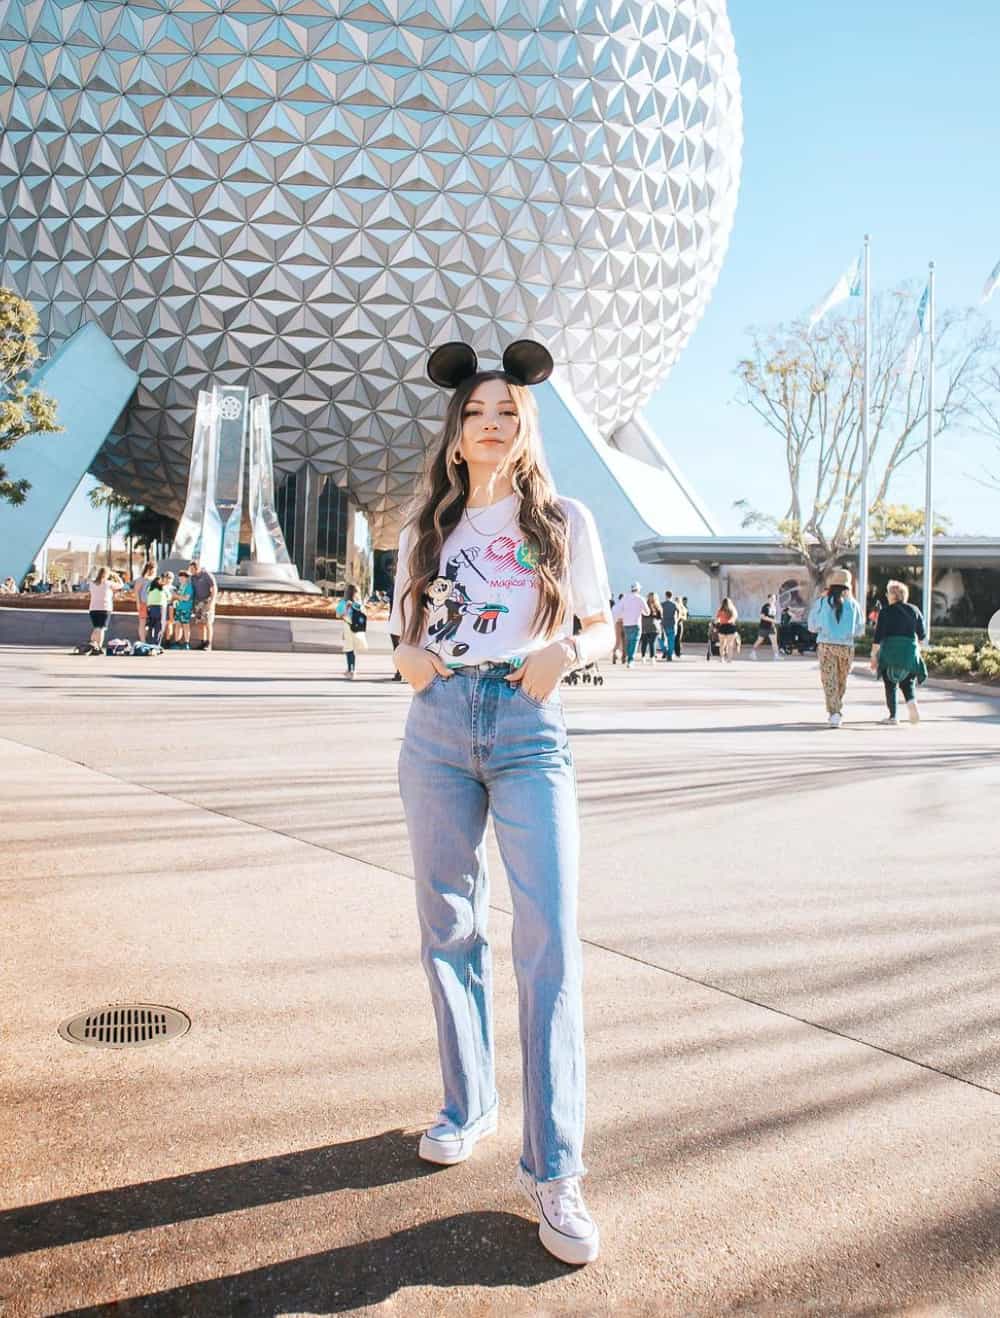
x,y
475,744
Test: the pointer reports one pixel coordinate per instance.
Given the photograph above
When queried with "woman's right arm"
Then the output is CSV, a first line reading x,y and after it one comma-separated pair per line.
x,y
413,663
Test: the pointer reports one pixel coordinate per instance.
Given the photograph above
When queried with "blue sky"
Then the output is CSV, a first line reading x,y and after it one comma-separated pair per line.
x,y
867,115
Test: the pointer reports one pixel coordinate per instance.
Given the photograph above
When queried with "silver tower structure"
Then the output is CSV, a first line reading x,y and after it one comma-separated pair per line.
x,y
303,196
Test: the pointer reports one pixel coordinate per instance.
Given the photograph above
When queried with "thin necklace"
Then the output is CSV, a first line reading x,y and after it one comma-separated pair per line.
x,y
481,530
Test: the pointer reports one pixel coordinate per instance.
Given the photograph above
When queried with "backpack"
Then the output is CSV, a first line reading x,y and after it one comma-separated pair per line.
x,y
146,648
119,646
358,619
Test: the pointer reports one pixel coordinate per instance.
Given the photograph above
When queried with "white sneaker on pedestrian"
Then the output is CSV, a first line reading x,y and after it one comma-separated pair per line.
x,y
565,1227
447,1143
893,720
834,720
753,655
913,711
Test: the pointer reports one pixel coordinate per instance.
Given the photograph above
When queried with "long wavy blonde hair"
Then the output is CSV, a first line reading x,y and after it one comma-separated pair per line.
x,y
445,490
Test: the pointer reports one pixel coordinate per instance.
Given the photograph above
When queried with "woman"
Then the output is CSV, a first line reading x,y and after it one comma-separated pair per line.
x,y
725,626
354,642
156,607
682,617
836,619
652,626
896,650
619,625
492,567
140,586
102,605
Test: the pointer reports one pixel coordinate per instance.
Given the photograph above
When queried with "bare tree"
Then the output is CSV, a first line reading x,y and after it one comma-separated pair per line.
x,y
987,408
807,387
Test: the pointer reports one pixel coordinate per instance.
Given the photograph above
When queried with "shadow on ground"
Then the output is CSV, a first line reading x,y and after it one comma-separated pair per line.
x,y
356,1165
469,1249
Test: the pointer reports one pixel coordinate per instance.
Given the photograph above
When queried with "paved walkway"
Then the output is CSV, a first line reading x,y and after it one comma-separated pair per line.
x,y
792,955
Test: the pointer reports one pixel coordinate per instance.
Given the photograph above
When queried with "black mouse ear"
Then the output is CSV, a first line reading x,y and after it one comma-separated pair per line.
x,y
528,362
452,363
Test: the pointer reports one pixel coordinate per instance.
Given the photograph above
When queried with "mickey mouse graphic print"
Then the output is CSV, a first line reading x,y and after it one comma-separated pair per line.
x,y
481,606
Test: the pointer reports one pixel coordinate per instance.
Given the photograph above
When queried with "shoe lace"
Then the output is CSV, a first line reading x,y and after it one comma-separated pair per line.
x,y
564,1198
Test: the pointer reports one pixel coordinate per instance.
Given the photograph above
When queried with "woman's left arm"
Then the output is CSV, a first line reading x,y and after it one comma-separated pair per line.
x,y
588,588
542,671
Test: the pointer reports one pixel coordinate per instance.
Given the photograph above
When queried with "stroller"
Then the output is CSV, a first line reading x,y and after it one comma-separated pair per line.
x,y
796,636
589,673
712,649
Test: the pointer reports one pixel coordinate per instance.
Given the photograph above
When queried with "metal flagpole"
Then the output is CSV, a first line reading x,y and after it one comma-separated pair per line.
x,y
929,501
865,397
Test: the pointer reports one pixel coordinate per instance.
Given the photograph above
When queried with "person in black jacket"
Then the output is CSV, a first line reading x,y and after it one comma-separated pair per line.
x,y
896,650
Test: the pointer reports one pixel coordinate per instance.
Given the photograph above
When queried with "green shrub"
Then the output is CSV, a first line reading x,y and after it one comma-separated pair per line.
x,y
949,651
952,636
956,665
950,661
696,629
988,662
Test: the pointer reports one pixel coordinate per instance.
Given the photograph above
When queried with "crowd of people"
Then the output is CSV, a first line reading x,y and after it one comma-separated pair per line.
x,y
169,611
654,629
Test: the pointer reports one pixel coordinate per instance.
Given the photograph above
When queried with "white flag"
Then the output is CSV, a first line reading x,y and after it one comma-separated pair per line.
x,y
919,327
992,284
850,284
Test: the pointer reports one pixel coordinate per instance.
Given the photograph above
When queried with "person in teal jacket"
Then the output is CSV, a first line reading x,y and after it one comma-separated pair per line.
x,y
836,619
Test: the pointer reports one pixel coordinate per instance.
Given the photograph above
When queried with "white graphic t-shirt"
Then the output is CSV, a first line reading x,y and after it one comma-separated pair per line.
x,y
482,604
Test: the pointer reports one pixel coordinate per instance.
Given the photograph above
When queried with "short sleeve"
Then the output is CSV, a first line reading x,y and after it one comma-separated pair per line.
x,y
589,591
401,584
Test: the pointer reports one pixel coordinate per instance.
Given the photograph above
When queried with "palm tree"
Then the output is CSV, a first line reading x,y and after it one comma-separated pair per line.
x,y
103,496
151,530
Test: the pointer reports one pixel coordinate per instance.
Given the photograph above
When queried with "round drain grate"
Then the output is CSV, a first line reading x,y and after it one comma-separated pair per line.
x,y
125,1025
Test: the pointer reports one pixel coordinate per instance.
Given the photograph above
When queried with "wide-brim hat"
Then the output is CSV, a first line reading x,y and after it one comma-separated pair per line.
x,y
839,577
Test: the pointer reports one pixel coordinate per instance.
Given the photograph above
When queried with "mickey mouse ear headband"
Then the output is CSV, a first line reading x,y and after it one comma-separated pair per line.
x,y
452,363
525,362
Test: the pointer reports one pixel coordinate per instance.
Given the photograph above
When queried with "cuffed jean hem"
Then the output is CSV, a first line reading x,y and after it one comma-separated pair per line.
x,y
559,1176
471,1124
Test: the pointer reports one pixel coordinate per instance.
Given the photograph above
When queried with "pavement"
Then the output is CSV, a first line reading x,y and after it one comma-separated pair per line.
x,y
792,948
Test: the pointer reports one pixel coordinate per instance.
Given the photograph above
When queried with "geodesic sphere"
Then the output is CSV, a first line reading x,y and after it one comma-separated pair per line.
x,y
306,195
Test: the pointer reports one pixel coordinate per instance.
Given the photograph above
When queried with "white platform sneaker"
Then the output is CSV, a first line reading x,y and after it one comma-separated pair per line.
x,y
565,1227
447,1143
